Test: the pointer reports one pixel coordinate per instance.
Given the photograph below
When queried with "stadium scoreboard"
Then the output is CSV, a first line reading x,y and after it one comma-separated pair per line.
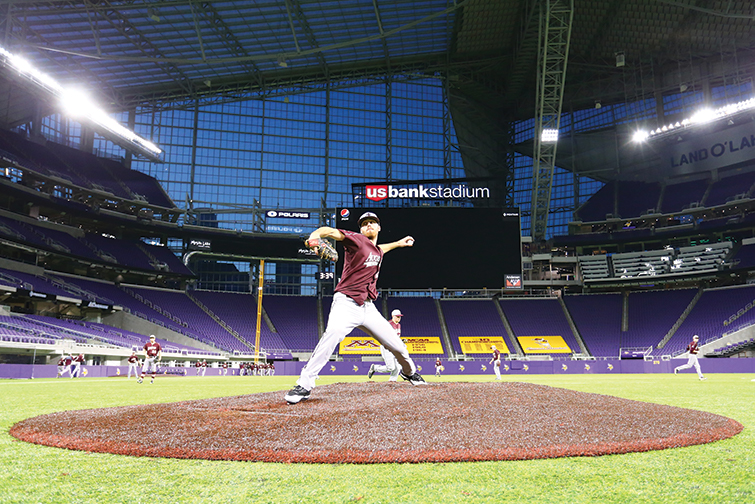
x,y
460,248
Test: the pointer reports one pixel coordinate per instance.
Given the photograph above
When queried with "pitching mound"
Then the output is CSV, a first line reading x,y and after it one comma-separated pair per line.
x,y
384,422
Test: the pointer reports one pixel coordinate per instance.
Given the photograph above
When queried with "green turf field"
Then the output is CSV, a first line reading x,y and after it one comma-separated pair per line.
x,y
722,472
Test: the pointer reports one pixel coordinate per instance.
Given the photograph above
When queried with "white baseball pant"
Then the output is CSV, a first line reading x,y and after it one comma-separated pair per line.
x,y
133,367
345,315
691,362
391,364
150,364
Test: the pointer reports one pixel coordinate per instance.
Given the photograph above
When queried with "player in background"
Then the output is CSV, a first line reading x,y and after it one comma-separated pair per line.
x,y
63,365
204,367
78,361
133,365
438,366
153,353
496,362
225,367
391,364
692,348
353,303
68,365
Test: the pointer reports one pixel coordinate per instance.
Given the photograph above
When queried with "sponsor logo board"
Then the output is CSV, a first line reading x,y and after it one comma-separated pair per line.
x,y
543,344
366,345
482,344
414,344
513,281
287,214
379,192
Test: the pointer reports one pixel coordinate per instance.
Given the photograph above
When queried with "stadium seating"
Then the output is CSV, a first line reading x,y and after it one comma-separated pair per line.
x,y
631,199
708,258
678,197
594,267
701,258
707,319
295,319
598,320
642,264
539,317
82,169
730,188
472,317
652,314
239,312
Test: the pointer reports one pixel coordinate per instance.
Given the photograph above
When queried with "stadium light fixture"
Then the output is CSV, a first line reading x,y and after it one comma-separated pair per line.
x,y
76,104
549,135
702,116
640,136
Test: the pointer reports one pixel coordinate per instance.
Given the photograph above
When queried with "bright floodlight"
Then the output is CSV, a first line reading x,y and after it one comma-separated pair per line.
x,y
703,116
549,135
640,136
77,104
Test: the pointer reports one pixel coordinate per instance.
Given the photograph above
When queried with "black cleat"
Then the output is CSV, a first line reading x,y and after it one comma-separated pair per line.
x,y
414,379
297,394
371,371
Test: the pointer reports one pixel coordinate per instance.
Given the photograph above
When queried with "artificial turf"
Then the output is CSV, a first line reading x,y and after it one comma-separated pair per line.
x,y
718,472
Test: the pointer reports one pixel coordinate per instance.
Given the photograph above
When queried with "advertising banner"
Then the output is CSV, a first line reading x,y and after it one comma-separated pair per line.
x,y
713,149
543,344
365,345
423,344
482,344
370,346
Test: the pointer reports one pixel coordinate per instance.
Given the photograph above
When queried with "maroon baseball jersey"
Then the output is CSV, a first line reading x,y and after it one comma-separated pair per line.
x,y
79,358
152,349
133,359
496,355
67,361
396,327
437,363
61,362
361,267
693,347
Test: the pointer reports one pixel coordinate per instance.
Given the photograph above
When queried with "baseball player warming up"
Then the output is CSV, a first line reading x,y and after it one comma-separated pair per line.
x,y
692,348
391,364
153,352
353,303
496,362
133,365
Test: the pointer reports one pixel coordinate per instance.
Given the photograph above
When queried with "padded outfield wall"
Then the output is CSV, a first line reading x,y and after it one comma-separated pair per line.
x,y
358,368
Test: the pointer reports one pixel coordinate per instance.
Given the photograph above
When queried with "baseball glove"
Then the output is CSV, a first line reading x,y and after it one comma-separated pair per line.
x,y
323,248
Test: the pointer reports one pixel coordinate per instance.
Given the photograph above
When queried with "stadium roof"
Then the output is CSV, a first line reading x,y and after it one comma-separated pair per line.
x,y
134,51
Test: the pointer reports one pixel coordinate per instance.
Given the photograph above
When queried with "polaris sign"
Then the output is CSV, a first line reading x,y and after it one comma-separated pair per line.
x,y
287,214
381,192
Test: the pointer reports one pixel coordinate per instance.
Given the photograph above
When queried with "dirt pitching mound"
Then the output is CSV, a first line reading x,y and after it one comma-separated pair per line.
x,y
384,422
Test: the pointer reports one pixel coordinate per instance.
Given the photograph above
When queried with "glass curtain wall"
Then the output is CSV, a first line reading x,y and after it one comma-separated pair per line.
x,y
299,151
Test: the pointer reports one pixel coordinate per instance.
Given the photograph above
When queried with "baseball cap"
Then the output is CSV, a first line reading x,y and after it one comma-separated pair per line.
x,y
368,215
396,313
151,336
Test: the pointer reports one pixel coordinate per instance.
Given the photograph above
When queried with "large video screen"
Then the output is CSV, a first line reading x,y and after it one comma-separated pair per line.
x,y
455,247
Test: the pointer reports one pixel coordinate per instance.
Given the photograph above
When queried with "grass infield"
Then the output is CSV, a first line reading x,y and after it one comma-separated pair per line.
x,y
721,472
